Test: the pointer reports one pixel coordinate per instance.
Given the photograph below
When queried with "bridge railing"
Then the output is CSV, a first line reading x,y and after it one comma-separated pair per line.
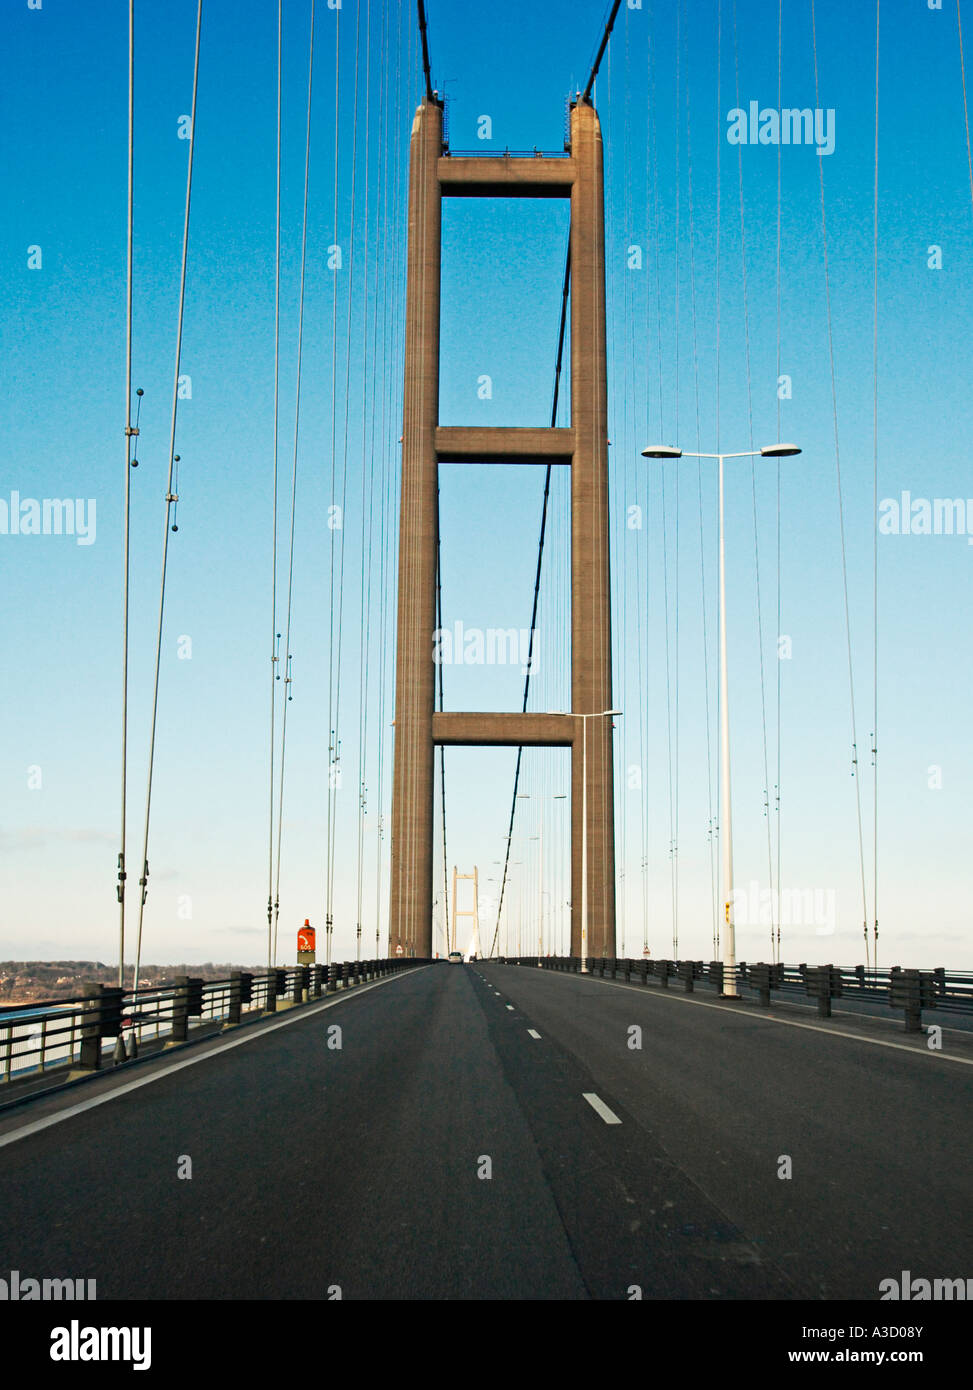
x,y
912,991
533,153
72,1033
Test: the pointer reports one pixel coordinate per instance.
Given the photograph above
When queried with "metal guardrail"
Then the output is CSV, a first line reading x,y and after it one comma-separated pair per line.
x,y
70,1033
535,153
910,990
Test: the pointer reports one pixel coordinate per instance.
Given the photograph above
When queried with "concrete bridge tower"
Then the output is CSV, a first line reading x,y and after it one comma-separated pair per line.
x,y
583,447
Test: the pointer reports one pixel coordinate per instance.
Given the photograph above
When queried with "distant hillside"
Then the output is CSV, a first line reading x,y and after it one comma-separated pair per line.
x,y
30,981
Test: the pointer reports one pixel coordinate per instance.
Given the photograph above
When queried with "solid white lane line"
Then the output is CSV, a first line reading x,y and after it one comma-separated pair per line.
x,y
600,1108
792,1023
259,1032
533,1032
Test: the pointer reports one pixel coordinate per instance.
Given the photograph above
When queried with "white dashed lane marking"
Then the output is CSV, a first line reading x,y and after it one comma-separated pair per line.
x,y
600,1108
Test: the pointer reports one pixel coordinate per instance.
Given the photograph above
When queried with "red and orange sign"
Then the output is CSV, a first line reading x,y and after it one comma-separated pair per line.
x,y
305,938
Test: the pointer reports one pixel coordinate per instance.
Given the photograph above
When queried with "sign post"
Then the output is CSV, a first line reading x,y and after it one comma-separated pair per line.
x,y
305,944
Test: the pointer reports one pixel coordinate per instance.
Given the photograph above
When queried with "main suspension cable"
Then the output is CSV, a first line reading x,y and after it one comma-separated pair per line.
x,y
586,94
425,50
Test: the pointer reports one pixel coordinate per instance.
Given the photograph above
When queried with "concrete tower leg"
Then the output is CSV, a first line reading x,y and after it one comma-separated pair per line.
x,y
591,684
410,904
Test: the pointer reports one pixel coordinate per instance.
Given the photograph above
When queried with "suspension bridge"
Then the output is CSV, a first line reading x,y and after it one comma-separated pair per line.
x,y
496,548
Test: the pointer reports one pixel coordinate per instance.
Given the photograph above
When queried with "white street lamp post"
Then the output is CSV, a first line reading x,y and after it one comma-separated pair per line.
x,y
726,834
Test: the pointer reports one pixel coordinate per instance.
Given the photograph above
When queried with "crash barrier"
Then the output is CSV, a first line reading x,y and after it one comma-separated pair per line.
x,y
912,991
71,1033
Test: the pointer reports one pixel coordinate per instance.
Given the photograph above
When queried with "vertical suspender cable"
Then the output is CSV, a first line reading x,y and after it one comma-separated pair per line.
x,y
640,636
699,489
675,732
386,584
614,304
621,532
390,168
653,200
617,304
365,604
297,427
719,180
775,946
753,485
878,7
344,478
332,748
669,718
380,327
565,289
442,751
344,474
170,497
128,481
273,590
653,168
387,355
841,509
640,628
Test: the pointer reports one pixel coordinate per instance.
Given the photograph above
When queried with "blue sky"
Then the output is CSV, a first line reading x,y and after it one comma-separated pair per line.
x,y
64,115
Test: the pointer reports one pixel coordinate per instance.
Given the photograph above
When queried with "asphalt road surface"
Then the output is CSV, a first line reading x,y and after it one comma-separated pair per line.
x,y
493,1132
